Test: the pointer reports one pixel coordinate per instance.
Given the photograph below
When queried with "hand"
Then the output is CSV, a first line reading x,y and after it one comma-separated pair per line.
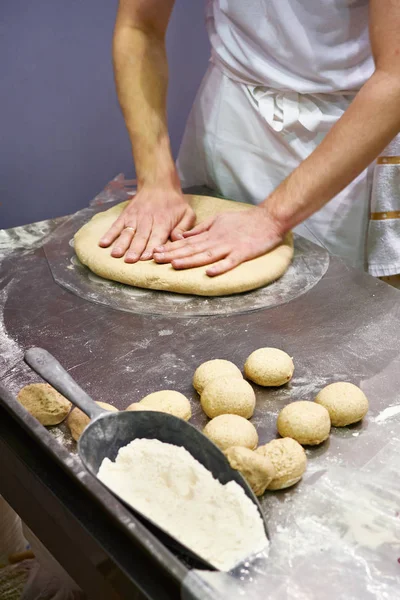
x,y
151,218
226,240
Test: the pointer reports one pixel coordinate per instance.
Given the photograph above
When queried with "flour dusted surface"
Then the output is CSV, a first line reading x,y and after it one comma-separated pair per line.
x,y
169,486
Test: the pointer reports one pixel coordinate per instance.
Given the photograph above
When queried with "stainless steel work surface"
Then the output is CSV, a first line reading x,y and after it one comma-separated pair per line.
x,y
347,327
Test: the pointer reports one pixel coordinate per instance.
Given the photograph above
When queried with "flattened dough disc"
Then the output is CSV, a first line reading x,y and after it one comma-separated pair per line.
x,y
148,274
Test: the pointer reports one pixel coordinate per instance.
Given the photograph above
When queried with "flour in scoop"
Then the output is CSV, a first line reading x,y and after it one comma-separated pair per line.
x,y
165,483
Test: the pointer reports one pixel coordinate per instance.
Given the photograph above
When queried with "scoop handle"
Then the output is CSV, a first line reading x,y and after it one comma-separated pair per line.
x,y
51,371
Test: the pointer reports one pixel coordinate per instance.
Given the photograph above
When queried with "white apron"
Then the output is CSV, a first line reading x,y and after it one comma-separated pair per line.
x,y
282,73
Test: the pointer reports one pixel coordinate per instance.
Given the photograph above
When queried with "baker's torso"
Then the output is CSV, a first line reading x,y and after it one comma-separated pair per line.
x,y
309,46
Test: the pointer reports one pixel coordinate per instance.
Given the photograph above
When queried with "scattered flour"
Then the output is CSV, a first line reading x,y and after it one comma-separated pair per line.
x,y
26,237
165,483
389,412
10,351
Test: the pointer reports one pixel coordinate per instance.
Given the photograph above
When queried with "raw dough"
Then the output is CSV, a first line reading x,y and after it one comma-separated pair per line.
x,y
166,401
345,403
306,422
289,460
269,367
44,403
228,396
136,406
77,420
148,274
257,469
231,430
212,369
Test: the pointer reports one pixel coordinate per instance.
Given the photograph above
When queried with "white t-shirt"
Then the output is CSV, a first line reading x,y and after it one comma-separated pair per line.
x,y
307,46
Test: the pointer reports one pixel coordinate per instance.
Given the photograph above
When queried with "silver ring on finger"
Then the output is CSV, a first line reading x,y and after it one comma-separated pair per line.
x,y
130,229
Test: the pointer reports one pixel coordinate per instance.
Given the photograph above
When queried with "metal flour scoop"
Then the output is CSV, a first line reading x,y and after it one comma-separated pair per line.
x,y
109,431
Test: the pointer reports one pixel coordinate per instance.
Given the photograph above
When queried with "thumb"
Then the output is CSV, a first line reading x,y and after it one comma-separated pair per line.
x,y
187,221
200,228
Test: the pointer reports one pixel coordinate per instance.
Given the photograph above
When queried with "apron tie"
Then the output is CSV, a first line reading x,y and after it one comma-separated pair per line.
x,y
284,110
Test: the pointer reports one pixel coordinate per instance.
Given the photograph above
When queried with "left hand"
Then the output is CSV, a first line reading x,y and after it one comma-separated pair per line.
x,y
224,241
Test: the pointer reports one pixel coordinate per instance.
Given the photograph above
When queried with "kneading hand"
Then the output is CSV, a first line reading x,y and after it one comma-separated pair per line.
x,y
150,219
226,240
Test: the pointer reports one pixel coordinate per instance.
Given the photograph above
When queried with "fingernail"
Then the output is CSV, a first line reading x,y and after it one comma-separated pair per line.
x,y
179,236
116,251
146,256
131,257
159,249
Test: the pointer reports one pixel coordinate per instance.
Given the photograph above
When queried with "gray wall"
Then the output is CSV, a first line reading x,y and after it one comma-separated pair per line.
x,y
62,136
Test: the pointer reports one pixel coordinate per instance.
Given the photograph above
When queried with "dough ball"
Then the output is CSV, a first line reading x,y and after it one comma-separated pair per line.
x,y
227,395
231,430
77,420
137,406
212,369
44,403
257,469
289,461
345,403
269,367
167,401
306,422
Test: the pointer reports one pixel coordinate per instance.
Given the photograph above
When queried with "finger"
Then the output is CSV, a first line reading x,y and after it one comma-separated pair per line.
x,y
171,246
139,242
223,266
200,228
123,242
159,235
112,234
182,252
186,223
201,259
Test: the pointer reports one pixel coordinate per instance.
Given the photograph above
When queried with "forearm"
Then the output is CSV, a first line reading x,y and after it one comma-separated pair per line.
x,y
141,74
369,124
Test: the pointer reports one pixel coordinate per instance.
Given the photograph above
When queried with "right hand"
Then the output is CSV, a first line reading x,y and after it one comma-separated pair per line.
x,y
151,218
